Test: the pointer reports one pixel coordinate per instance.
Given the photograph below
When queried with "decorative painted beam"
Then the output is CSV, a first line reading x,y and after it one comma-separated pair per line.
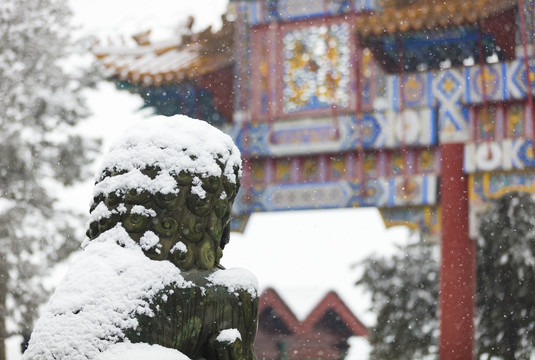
x,y
381,192
381,130
423,218
507,154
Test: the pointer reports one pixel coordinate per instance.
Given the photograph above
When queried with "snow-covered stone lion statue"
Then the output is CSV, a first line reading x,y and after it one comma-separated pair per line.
x,y
148,283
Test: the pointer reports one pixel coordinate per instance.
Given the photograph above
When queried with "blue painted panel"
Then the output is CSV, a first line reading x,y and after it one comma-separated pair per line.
x,y
381,192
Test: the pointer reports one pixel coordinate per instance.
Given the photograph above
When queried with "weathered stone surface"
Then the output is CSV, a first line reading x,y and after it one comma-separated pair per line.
x,y
191,319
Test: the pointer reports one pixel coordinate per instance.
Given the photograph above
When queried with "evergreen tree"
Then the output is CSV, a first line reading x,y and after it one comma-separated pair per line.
x,y
39,106
506,278
404,289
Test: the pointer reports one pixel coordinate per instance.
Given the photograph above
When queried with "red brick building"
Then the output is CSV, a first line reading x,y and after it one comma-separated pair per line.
x,y
323,334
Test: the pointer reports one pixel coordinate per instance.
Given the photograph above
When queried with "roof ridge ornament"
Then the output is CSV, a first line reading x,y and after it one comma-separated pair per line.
x,y
142,38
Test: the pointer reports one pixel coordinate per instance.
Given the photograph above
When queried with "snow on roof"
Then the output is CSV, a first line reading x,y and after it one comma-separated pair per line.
x,y
151,63
124,49
166,62
110,282
173,144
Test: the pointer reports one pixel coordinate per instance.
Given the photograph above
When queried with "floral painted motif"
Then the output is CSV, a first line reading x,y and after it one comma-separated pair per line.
x,y
316,68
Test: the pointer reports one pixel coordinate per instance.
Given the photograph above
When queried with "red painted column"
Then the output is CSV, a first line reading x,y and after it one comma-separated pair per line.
x,y
458,260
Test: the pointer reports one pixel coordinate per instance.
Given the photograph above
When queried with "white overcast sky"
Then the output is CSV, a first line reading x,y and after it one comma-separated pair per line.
x,y
108,18
303,254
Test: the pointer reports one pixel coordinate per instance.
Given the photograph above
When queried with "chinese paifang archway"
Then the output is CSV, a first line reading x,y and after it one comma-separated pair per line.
x,y
363,103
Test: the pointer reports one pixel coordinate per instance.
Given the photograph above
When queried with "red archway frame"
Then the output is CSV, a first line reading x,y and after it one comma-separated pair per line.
x,y
458,260
458,252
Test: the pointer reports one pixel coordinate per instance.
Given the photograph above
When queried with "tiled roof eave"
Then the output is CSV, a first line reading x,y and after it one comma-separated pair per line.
x,y
429,17
192,71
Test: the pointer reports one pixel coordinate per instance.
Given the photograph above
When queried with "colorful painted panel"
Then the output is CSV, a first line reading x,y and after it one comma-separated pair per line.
x,y
428,161
337,167
239,222
415,90
250,11
412,190
283,171
295,9
515,120
424,218
397,163
265,11
307,135
381,192
413,127
517,85
375,86
486,186
297,137
502,81
448,88
263,83
483,187
529,11
306,196
363,5
367,77
370,166
243,69
485,83
499,155
258,171
396,191
497,121
316,68
485,122
265,86
389,129
311,171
